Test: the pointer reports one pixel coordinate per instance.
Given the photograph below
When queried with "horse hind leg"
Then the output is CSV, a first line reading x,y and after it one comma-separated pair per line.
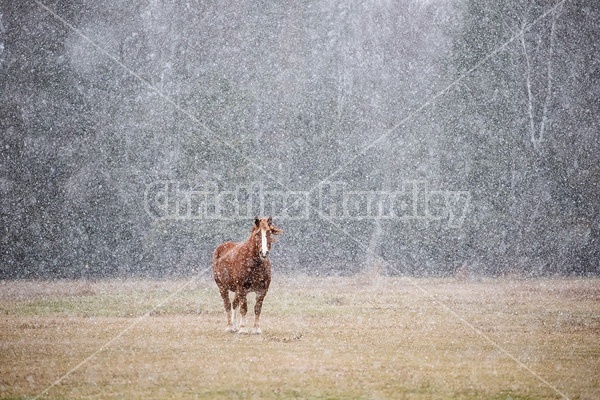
x,y
234,307
241,298
229,311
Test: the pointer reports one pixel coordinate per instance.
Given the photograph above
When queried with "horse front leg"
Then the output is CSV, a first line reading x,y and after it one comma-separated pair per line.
x,y
260,296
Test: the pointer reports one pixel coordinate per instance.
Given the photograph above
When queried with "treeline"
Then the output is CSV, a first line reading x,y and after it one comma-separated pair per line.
x,y
460,136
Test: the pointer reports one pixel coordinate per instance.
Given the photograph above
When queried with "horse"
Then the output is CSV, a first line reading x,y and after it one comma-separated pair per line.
x,y
242,268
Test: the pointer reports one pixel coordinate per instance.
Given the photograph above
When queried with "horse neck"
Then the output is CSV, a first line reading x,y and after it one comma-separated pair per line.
x,y
252,245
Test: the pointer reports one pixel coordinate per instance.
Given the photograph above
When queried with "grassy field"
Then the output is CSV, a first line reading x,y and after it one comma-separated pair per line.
x,y
323,338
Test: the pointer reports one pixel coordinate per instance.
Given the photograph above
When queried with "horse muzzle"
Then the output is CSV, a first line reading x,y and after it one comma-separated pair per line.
x,y
264,255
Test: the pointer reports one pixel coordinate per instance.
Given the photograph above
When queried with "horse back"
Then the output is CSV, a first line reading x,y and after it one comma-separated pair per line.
x,y
222,249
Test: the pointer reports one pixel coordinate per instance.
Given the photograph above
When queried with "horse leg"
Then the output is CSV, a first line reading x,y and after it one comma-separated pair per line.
x,y
260,296
228,310
234,306
243,310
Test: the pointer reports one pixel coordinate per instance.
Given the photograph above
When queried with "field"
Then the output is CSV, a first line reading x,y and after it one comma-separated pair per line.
x,y
329,338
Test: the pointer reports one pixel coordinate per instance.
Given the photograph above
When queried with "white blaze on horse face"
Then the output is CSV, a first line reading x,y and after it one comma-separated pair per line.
x,y
264,251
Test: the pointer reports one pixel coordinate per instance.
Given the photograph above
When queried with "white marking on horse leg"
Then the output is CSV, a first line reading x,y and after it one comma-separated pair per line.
x,y
231,327
233,319
256,330
243,328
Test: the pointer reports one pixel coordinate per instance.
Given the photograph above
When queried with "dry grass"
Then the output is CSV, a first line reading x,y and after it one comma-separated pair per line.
x,y
323,338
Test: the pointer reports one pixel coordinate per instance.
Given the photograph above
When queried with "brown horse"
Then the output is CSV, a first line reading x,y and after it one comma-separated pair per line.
x,y
243,268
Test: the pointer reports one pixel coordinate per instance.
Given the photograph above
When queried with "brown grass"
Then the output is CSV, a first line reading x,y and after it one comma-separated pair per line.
x,y
362,337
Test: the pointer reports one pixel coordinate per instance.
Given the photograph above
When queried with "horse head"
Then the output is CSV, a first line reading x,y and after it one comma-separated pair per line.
x,y
263,231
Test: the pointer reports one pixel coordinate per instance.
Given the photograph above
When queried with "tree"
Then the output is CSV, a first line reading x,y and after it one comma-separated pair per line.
x,y
518,132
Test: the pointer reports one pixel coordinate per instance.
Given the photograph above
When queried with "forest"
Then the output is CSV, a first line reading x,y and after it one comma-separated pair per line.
x,y
415,137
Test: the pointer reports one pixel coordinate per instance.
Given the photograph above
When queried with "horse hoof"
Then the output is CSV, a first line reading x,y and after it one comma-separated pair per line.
x,y
243,331
231,329
256,331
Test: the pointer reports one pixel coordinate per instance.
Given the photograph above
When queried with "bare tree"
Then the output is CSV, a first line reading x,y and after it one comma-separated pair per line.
x,y
538,125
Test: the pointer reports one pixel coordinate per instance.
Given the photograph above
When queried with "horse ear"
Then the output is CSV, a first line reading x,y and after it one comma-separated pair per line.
x,y
270,220
256,221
